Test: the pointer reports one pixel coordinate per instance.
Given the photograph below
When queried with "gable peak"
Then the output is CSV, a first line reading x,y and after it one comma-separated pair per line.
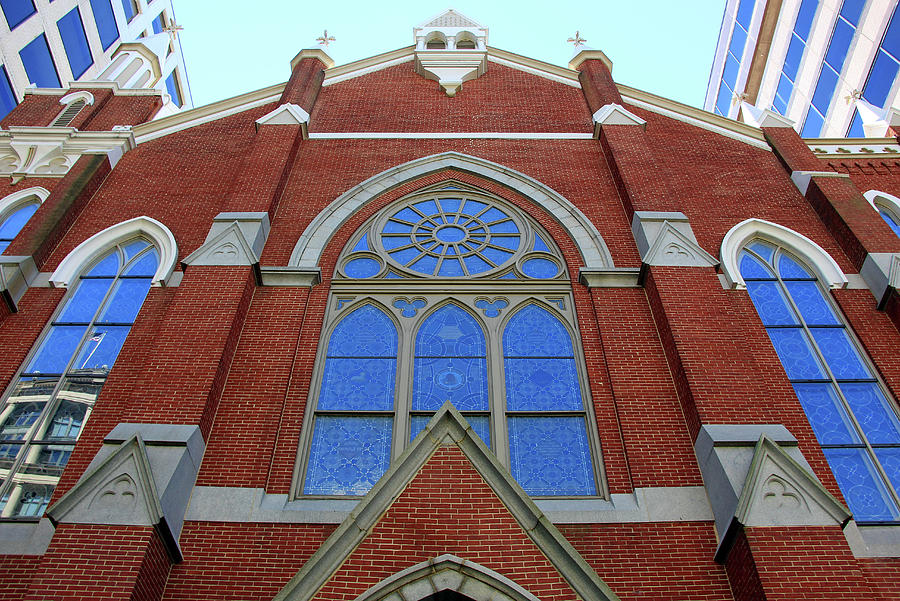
x,y
451,18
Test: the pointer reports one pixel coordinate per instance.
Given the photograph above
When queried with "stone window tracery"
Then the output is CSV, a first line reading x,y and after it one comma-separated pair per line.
x,y
495,335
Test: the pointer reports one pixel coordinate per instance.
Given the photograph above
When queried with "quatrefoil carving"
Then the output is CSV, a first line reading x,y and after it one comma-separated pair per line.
x,y
491,307
409,308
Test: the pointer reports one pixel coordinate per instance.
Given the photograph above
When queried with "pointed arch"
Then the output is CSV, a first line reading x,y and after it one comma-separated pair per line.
x,y
448,573
12,202
737,237
887,205
158,234
308,250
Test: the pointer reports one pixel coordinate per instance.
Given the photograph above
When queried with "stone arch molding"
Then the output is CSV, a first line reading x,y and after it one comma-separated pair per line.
x,y
161,237
737,237
447,573
308,250
12,202
882,200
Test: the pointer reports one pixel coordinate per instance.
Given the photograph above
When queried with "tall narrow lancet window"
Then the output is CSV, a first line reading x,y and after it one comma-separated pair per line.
x,y
450,294
351,440
550,452
451,365
853,416
45,409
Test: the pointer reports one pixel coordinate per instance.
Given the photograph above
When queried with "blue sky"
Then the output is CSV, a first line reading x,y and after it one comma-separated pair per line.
x,y
663,47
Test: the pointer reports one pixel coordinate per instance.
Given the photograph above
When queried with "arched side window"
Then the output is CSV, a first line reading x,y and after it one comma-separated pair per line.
x,y
850,411
476,303
888,206
52,396
15,211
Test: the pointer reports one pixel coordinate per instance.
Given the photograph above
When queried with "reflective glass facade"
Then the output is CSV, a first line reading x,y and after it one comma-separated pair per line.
x,y
172,88
39,63
799,38
882,74
733,58
14,223
71,30
16,11
106,22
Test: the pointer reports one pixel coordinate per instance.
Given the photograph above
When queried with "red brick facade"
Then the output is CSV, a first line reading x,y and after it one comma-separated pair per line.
x,y
227,350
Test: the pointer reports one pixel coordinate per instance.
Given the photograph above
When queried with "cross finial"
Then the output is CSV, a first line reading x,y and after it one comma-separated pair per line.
x,y
173,29
577,40
325,39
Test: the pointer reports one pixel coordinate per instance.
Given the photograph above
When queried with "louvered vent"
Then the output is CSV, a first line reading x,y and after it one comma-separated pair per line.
x,y
68,114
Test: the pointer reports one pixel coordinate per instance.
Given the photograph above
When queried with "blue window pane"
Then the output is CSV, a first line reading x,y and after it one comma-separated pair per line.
x,y
127,298
534,332
738,41
7,97
358,384
146,265
172,89
805,17
158,24
789,268
824,89
782,95
108,266
476,265
812,304
771,304
540,245
450,332
481,425
890,461
57,349
762,249
793,57
461,381
723,100
366,332
15,222
861,485
34,500
131,249
873,412
450,267
493,308
426,264
881,79
826,414
796,354
890,221
856,126
83,304
406,255
16,11
39,64
542,269
129,8
71,30
363,243
839,45
542,385
852,9
67,421
347,455
100,350
745,13
812,128
363,267
752,268
891,42
551,455
840,353
106,22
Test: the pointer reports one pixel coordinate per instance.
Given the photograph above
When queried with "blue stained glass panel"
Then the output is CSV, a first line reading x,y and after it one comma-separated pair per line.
x,y
131,249
56,350
789,268
539,245
873,412
752,268
762,249
481,425
463,382
106,22
426,264
347,455
771,304
795,353
146,265
815,309
505,227
450,332
840,354
394,227
126,300
496,256
15,222
358,384
860,484
542,385
543,269
890,461
39,63
450,205
890,221
363,243
406,255
535,332
74,40
476,265
83,304
826,414
100,350
551,456
363,267
450,267
109,266
365,332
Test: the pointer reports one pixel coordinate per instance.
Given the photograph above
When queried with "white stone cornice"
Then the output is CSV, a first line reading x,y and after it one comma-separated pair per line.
x,y
51,151
857,148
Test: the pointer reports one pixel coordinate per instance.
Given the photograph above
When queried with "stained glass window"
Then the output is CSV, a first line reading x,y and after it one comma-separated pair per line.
x,y
48,403
14,222
853,417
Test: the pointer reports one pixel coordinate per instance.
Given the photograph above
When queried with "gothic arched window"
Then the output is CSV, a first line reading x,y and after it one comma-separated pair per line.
x,y
853,417
15,211
450,294
46,406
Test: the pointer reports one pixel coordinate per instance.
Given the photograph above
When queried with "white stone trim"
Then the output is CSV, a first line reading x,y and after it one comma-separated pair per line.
x,y
884,201
450,135
574,83
12,202
309,247
737,237
87,251
70,98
